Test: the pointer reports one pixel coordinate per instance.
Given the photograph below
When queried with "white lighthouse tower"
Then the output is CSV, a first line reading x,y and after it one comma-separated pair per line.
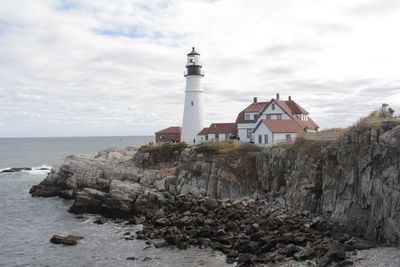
x,y
193,114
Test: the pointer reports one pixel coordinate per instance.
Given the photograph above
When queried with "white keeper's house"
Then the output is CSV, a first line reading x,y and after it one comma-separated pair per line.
x,y
264,123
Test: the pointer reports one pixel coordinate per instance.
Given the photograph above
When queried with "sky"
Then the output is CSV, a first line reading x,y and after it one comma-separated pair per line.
x,y
107,68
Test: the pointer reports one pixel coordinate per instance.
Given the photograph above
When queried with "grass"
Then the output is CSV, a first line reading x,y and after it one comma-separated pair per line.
x,y
167,152
333,130
223,147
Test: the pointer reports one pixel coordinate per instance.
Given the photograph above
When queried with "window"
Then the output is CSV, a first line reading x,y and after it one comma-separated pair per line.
x,y
216,136
247,117
288,137
268,116
255,116
279,116
260,139
227,136
266,139
273,106
192,103
206,137
249,132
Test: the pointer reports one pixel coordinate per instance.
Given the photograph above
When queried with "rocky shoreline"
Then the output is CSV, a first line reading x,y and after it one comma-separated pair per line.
x,y
248,232
302,195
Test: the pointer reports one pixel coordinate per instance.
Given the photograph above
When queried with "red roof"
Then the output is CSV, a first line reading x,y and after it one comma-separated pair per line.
x,y
296,108
306,124
253,107
171,130
219,128
283,126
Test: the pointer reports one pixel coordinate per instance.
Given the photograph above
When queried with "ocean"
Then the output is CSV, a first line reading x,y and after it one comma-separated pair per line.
x,y
27,224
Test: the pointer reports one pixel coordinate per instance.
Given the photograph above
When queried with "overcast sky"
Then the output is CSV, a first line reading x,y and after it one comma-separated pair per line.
x,y
77,68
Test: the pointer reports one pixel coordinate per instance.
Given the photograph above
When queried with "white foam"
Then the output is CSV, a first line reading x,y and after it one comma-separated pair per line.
x,y
34,170
37,170
4,169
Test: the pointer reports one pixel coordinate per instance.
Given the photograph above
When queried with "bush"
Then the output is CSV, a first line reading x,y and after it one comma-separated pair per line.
x,y
207,148
224,147
163,153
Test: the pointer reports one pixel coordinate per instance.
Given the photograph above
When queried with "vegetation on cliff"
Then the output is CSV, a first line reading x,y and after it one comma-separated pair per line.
x,y
166,152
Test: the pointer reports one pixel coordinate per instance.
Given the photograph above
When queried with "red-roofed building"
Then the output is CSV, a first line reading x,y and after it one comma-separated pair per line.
x,y
217,132
247,119
170,134
281,120
263,123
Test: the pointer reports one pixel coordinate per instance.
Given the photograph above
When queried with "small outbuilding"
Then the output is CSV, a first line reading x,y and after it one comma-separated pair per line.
x,y
218,132
170,134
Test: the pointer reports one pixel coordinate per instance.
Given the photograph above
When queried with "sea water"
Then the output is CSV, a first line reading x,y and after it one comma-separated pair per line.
x,y
27,224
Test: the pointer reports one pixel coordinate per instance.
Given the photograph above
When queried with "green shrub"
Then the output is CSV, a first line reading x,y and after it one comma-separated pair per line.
x,y
163,153
224,147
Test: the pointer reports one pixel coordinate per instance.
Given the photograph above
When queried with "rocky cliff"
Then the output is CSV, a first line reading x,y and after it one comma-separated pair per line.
x,y
354,181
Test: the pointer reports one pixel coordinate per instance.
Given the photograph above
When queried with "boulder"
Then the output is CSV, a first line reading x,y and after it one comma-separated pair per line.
x,y
69,240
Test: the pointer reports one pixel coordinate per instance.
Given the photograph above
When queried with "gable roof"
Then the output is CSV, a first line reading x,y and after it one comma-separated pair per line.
x,y
288,106
282,126
292,108
253,107
306,124
296,108
171,130
219,128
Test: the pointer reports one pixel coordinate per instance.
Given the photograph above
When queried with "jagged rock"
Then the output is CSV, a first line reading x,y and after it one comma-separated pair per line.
x,y
352,182
67,194
69,240
100,220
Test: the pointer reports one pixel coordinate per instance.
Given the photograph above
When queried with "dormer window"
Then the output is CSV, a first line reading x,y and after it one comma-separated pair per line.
x,y
279,116
247,117
273,106
255,116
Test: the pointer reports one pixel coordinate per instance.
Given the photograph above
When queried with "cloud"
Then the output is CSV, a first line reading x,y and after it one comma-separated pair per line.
x,y
118,65
375,8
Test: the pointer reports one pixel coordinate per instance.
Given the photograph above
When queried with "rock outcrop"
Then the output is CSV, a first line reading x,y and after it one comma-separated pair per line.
x,y
353,182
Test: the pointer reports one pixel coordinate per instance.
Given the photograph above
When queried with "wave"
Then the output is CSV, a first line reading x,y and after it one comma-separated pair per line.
x,y
42,169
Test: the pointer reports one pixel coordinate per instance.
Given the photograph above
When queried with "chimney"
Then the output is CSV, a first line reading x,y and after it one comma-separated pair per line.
x,y
277,96
290,98
254,99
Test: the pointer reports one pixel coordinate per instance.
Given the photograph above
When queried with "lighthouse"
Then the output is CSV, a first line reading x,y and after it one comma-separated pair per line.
x,y
193,114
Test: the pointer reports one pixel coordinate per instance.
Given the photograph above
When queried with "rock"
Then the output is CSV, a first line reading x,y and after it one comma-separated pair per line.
x,y
67,194
70,240
100,220
138,220
16,169
44,191
161,222
210,204
131,258
160,244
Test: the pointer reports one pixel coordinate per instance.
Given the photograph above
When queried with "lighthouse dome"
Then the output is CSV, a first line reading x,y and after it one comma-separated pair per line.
x,y
193,64
193,52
